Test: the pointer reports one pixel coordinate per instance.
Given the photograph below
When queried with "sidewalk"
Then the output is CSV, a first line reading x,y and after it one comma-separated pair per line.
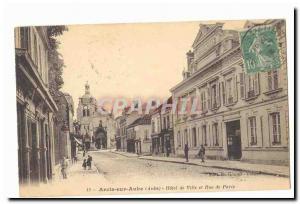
x,y
274,170
78,180
75,169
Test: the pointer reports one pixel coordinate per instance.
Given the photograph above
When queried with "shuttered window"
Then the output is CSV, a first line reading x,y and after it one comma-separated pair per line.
x,y
273,80
275,128
204,135
252,130
215,134
242,85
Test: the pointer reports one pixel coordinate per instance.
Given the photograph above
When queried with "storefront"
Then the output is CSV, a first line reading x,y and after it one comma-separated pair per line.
x,y
131,145
156,141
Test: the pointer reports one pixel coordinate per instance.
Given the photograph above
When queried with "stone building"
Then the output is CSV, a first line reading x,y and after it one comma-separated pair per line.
x,y
63,141
125,139
156,131
130,117
120,122
35,106
118,133
139,133
243,116
162,134
167,134
90,117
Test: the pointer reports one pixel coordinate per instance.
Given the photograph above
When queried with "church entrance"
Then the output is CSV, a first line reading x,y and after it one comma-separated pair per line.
x,y
101,137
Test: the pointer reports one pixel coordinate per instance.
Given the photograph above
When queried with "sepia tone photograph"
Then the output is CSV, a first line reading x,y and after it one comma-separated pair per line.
x,y
151,108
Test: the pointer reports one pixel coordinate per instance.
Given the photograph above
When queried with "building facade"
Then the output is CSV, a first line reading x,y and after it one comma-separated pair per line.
x,y
122,138
130,118
242,116
162,134
35,106
167,133
138,135
156,131
64,144
89,118
118,133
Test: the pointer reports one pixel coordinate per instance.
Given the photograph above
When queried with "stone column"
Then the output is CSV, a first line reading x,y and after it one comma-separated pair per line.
x,y
51,143
41,148
44,152
37,147
26,147
65,138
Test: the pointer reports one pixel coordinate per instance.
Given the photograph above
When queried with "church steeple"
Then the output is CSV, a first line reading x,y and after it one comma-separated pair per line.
x,y
87,88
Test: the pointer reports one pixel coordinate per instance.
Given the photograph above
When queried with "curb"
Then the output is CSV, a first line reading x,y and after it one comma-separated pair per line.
x,y
221,167
133,156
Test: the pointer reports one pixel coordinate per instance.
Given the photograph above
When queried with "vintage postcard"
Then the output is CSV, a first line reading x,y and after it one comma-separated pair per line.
x,y
149,108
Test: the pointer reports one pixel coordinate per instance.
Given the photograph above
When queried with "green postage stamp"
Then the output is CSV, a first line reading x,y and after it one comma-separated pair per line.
x,y
260,49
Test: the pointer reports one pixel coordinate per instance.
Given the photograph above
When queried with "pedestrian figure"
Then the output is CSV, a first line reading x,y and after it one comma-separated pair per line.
x,y
202,153
64,166
84,164
89,162
168,151
186,152
75,159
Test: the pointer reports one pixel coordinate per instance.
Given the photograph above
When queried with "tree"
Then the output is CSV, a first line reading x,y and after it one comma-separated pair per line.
x,y
56,62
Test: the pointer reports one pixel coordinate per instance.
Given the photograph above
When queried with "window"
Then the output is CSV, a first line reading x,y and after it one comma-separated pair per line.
x,y
168,122
203,101
215,134
275,128
242,85
252,85
164,123
158,125
178,139
146,135
223,93
214,96
85,111
35,50
251,82
273,80
185,137
252,129
229,90
204,135
153,127
40,63
194,135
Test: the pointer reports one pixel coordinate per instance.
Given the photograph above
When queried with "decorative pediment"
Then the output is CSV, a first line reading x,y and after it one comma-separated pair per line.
x,y
203,31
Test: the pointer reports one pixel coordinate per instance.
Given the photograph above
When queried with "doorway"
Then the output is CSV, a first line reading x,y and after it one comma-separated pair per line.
x,y
234,145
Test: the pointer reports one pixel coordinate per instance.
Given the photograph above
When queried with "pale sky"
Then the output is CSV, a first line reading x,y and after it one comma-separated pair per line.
x,y
127,60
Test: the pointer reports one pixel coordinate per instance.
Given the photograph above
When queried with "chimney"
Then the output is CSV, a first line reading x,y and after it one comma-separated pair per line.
x,y
190,59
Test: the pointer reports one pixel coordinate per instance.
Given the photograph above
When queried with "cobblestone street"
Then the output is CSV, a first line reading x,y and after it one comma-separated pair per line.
x,y
113,173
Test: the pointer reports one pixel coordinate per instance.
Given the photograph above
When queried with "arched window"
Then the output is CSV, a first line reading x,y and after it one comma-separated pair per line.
x,y
85,111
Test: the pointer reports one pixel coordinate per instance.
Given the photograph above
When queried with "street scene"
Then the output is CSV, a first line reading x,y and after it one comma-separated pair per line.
x,y
152,108
115,173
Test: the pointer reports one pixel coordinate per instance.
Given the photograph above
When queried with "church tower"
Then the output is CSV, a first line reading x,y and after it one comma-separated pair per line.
x,y
89,119
87,106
